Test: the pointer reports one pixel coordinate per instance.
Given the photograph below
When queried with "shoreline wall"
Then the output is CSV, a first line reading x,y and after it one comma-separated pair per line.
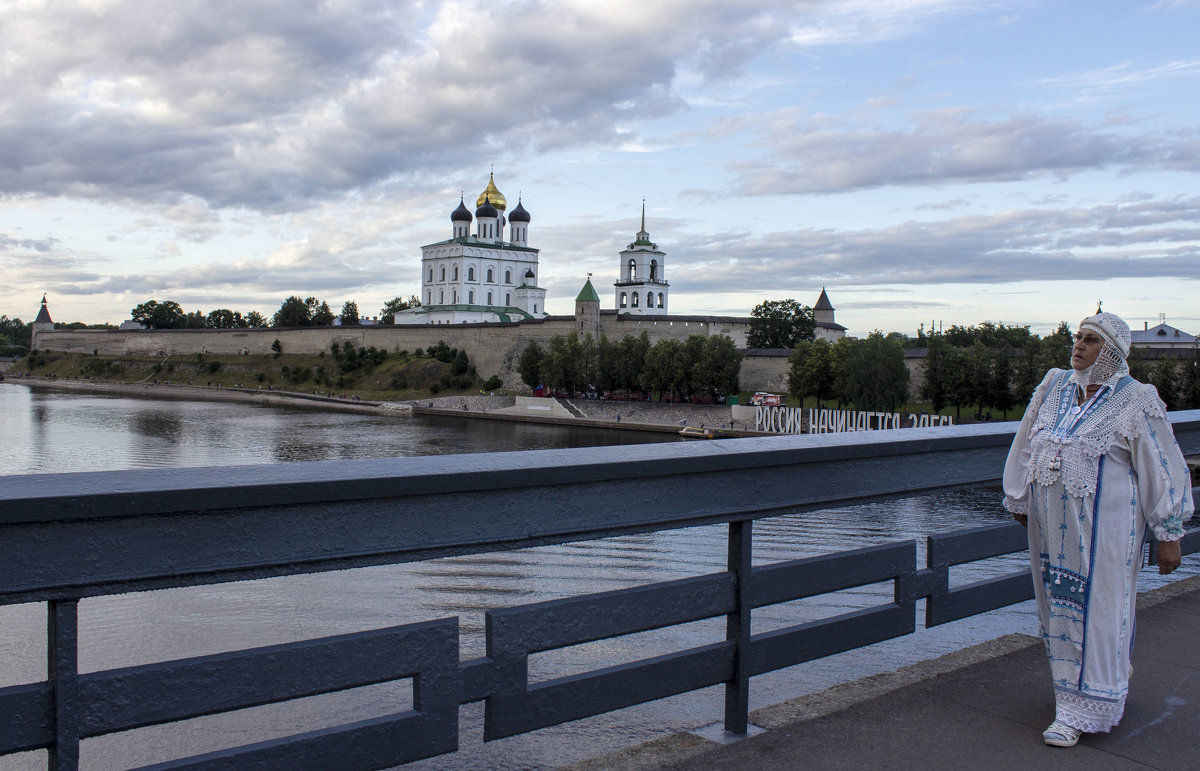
x,y
494,349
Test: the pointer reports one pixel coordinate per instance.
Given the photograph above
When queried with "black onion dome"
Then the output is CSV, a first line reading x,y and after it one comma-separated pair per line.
x,y
461,214
519,214
486,210
529,273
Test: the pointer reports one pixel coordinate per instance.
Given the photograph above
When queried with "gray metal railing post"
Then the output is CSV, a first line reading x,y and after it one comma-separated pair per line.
x,y
737,628
63,674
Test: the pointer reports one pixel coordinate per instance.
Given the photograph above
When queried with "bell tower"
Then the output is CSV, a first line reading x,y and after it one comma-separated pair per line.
x,y
642,287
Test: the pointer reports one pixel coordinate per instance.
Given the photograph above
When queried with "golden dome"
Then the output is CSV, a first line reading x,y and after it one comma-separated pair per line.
x,y
492,194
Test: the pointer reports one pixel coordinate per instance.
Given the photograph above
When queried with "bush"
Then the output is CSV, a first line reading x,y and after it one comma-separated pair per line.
x,y
492,383
213,366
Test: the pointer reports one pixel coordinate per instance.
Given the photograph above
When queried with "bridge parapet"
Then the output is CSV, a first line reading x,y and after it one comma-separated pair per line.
x,y
66,537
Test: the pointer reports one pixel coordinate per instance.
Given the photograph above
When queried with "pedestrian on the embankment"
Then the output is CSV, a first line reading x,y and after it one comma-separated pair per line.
x,y
1093,466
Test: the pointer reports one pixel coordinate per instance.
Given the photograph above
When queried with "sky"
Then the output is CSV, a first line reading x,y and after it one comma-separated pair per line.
x,y
925,161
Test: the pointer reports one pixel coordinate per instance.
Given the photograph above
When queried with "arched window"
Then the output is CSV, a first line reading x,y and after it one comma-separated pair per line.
x,y
632,269
471,297
454,297
489,298
635,299
624,299
508,276
490,279
507,299
470,274
429,298
455,273
649,299
431,275
443,273
653,269
441,297
660,299
535,309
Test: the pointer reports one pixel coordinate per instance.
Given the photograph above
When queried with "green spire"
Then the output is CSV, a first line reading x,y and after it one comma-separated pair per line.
x,y
588,293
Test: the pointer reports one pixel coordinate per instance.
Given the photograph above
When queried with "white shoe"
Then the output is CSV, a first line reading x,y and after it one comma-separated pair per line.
x,y
1061,735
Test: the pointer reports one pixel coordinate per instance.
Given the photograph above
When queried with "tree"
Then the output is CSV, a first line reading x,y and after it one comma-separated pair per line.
x,y
256,320
1165,377
1190,385
876,378
631,360
395,305
810,371
322,316
15,331
223,318
717,369
937,386
839,357
665,366
531,363
156,315
780,324
1055,349
349,316
293,313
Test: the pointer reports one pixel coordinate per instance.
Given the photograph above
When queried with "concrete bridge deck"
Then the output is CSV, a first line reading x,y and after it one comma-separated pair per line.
x,y
983,708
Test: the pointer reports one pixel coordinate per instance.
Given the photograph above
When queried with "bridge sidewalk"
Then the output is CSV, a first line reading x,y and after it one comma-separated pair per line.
x,y
988,714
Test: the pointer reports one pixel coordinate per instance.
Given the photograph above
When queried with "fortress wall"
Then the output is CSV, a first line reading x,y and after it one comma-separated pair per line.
x,y
764,373
677,327
494,348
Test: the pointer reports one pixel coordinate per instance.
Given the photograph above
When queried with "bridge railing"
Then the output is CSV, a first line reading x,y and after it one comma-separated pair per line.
x,y
71,536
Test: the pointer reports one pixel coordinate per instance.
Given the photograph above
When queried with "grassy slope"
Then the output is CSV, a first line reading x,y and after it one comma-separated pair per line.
x,y
396,378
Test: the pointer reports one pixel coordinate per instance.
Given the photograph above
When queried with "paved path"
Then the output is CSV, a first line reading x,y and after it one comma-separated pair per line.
x,y
988,714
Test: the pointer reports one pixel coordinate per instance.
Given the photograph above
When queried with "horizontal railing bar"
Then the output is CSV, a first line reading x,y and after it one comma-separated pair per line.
x,y
28,722
797,644
87,495
948,549
367,744
811,576
604,690
120,700
559,623
979,597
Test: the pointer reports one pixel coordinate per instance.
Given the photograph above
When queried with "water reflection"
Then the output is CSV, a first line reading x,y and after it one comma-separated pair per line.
x,y
51,431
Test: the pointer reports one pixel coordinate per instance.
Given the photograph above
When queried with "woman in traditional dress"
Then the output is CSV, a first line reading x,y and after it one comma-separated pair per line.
x,y
1094,464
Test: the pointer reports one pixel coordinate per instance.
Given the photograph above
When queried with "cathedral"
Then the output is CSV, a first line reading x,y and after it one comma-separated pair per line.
x,y
480,276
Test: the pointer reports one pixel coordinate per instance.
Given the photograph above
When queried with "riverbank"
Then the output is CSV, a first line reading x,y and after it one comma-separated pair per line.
x,y
626,416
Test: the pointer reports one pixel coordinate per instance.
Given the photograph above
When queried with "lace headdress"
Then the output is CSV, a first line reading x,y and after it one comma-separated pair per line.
x,y
1110,364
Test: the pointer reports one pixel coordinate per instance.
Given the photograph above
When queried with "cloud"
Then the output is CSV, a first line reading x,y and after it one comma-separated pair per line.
x,y
1124,76
820,154
1096,243
275,104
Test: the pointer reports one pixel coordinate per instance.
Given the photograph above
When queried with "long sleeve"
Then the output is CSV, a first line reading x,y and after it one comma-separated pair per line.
x,y
1164,485
1016,467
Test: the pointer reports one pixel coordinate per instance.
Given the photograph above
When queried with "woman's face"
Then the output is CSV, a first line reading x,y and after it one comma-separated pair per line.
x,y
1086,349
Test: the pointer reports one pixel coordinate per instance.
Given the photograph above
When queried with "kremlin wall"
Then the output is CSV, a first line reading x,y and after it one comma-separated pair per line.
x,y
494,348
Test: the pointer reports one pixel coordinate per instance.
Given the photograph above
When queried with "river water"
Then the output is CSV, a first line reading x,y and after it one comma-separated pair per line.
x,y
51,431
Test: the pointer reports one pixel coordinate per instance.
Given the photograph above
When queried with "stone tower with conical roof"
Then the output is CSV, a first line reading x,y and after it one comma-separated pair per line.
x,y
826,327
642,287
43,323
587,310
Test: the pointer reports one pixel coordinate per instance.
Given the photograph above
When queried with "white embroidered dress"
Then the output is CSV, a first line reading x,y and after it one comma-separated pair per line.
x,y
1091,479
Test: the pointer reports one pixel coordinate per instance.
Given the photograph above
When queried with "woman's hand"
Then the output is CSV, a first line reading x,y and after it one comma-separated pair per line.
x,y
1169,556
1022,518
